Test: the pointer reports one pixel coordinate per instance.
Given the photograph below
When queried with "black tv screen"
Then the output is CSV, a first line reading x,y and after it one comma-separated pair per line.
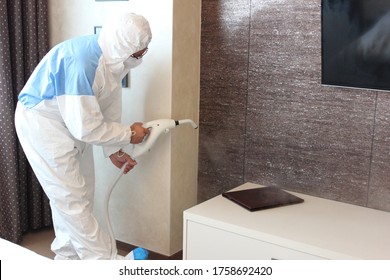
x,y
356,43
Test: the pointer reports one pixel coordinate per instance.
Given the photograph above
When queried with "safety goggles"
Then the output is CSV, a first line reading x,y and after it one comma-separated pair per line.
x,y
139,55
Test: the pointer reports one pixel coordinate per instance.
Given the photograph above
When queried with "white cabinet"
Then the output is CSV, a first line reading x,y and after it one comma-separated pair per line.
x,y
316,229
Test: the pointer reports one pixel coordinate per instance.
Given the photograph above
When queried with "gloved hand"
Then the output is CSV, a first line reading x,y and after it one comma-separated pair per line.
x,y
120,158
138,133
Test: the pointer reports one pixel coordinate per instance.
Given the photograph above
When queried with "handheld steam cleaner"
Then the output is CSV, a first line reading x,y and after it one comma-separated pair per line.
x,y
156,128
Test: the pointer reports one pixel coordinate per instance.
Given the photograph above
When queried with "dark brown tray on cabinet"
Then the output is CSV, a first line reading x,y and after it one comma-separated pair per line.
x,y
262,198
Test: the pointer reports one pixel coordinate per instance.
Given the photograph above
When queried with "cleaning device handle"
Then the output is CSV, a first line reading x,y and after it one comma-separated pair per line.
x,y
156,128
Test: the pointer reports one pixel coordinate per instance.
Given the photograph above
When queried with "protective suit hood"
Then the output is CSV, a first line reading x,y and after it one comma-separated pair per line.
x,y
121,36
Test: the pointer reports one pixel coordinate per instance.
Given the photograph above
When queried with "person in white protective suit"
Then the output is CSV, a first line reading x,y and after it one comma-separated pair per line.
x,y
73,101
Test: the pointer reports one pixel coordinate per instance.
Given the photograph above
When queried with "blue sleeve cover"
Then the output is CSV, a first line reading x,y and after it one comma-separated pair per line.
x,y
68,69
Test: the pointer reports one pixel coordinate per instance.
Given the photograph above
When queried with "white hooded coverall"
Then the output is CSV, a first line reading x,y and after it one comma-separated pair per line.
x,y
73,101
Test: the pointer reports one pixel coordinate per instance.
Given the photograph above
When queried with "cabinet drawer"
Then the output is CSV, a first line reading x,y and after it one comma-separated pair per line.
x,y
205,243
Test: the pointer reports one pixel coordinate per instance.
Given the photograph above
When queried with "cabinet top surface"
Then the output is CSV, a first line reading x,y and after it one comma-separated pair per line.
x,y
316,224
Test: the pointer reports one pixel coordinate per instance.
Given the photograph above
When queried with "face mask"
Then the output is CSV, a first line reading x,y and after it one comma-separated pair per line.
x,y
132,62
121,69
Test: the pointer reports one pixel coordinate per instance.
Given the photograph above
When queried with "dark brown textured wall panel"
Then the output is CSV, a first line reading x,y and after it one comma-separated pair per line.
x,y
379,190
266,118
224,80
309,138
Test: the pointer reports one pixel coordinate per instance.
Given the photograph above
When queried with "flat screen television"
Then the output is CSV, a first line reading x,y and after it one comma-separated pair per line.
x,y
356,43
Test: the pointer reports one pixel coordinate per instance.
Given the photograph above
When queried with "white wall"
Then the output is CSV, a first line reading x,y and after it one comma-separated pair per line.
x,y
146,205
